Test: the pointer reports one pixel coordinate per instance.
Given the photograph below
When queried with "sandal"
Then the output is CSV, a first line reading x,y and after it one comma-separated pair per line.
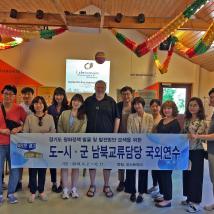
x,y
91,191
31,198
43,197
108,192
157,200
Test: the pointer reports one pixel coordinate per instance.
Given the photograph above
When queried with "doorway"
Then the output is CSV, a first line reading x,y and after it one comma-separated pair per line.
x,y
180,93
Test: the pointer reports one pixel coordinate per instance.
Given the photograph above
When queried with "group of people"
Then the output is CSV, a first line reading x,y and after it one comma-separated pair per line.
x,y
99,113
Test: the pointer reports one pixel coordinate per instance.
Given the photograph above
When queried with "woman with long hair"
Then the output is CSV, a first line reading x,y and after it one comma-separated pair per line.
x,y
72,121
194,123
59,104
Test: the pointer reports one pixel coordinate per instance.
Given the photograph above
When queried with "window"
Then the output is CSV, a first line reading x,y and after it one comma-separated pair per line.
x,y
179,93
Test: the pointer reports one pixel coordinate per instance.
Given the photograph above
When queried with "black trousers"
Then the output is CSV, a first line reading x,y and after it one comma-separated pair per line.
x,y
34,186
130,183
53,175
193,179
155,177
165,183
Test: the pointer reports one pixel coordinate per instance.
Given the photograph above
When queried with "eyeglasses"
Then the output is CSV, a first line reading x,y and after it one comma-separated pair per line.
x,y
126,94
8,94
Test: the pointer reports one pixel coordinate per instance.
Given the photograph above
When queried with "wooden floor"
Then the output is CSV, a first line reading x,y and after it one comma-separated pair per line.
x,y
119,204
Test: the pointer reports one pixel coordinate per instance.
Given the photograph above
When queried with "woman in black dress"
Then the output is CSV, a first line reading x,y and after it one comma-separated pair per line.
x,y
169,124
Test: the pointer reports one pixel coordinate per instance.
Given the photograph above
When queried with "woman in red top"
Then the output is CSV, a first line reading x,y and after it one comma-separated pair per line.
x,y
15,116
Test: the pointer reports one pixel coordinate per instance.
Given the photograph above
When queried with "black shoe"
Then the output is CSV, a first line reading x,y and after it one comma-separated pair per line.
x,y
132,197
59,189
121,186
139,199
19,187
54,188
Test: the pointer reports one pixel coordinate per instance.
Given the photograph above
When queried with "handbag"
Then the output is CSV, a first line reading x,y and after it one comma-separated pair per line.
x,y
10,124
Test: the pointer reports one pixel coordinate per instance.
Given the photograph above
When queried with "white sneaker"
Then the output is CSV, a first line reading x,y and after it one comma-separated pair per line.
x,y
65,194
152,189
74,193
193,208
156,195
209,207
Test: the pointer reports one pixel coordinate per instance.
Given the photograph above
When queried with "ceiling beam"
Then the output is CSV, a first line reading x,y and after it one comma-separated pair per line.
x,y
30,19
91,21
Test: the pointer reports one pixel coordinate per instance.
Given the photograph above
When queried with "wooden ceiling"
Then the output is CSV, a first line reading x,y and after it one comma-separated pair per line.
x,y
151,8
157,13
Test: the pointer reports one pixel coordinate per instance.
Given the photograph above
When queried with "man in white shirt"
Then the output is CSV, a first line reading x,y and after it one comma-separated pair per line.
x,y
27,97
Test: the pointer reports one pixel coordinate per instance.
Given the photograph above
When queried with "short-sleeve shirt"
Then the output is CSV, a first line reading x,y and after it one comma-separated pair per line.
x,y
101,114
17,114
171,127
195,127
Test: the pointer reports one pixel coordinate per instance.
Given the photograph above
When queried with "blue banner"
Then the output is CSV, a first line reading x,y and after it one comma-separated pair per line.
x,y
110,151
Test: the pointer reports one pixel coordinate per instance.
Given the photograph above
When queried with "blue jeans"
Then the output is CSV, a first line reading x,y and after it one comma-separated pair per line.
x,y
14,173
